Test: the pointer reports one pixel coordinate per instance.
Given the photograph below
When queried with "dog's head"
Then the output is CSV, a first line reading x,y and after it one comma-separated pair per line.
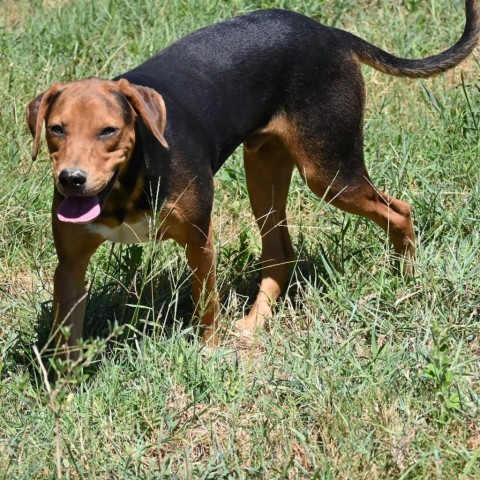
x,y
90,132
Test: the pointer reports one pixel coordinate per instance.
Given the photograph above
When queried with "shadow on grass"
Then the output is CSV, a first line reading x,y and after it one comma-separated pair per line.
x,y
122,296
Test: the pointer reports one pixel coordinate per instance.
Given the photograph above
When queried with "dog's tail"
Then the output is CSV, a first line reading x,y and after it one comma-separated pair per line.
x,y
387,63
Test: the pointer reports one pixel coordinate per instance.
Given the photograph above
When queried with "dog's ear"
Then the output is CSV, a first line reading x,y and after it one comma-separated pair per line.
x,y
35,114
149,105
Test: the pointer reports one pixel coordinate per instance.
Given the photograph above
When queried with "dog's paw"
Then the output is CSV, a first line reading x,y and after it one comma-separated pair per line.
x,y
250,323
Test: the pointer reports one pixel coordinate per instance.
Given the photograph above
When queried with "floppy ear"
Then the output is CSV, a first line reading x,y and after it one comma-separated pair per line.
x,y
35,114
149,105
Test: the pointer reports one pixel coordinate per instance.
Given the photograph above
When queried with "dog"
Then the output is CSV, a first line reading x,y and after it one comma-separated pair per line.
x,y
134,157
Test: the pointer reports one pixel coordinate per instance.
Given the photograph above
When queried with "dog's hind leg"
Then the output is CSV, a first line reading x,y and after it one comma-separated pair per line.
x,y
325,136
268,168
391,214
330,159
360,197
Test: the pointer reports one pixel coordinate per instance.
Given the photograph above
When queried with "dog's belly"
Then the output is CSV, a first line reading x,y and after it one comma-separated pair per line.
x,y
137,232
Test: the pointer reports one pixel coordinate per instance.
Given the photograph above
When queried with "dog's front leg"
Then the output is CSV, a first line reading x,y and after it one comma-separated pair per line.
x,y
74,246
200,254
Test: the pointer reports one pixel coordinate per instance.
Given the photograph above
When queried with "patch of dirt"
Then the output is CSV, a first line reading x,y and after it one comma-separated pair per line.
x,y
13,11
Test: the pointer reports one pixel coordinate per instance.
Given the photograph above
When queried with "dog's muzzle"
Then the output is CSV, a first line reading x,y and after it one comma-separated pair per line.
x,y
81,208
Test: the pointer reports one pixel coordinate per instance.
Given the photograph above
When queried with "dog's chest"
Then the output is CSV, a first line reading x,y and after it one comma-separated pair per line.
x,y
139,231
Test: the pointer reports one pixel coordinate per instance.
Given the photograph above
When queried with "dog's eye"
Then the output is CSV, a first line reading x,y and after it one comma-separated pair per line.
x,y
108,132
57,130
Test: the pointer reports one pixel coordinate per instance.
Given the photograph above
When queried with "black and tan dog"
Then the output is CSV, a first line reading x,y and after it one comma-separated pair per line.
x,y
134,158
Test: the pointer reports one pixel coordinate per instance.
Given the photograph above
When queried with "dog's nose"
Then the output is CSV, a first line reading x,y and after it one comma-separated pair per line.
x,y
72,177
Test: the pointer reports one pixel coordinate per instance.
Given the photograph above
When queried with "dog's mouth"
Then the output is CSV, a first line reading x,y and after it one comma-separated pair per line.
x,y
84,209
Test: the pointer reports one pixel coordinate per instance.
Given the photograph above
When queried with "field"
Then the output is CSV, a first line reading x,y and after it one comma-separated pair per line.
x,y
360,373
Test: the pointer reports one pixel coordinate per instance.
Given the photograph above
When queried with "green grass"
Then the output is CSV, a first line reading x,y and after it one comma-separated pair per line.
x,y
359,374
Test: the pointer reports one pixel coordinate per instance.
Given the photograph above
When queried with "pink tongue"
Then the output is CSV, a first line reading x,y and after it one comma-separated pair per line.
x,y
79,209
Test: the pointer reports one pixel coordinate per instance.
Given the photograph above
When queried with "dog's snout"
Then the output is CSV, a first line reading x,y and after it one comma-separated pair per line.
x,y
72,177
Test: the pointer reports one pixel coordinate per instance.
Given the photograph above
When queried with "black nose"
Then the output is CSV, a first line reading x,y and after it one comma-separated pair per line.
x,y
72,177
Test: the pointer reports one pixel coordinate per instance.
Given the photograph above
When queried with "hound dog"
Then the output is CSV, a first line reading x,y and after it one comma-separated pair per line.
x,y
134,157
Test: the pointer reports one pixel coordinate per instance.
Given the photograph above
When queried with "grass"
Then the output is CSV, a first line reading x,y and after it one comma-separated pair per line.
x,y
360,374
